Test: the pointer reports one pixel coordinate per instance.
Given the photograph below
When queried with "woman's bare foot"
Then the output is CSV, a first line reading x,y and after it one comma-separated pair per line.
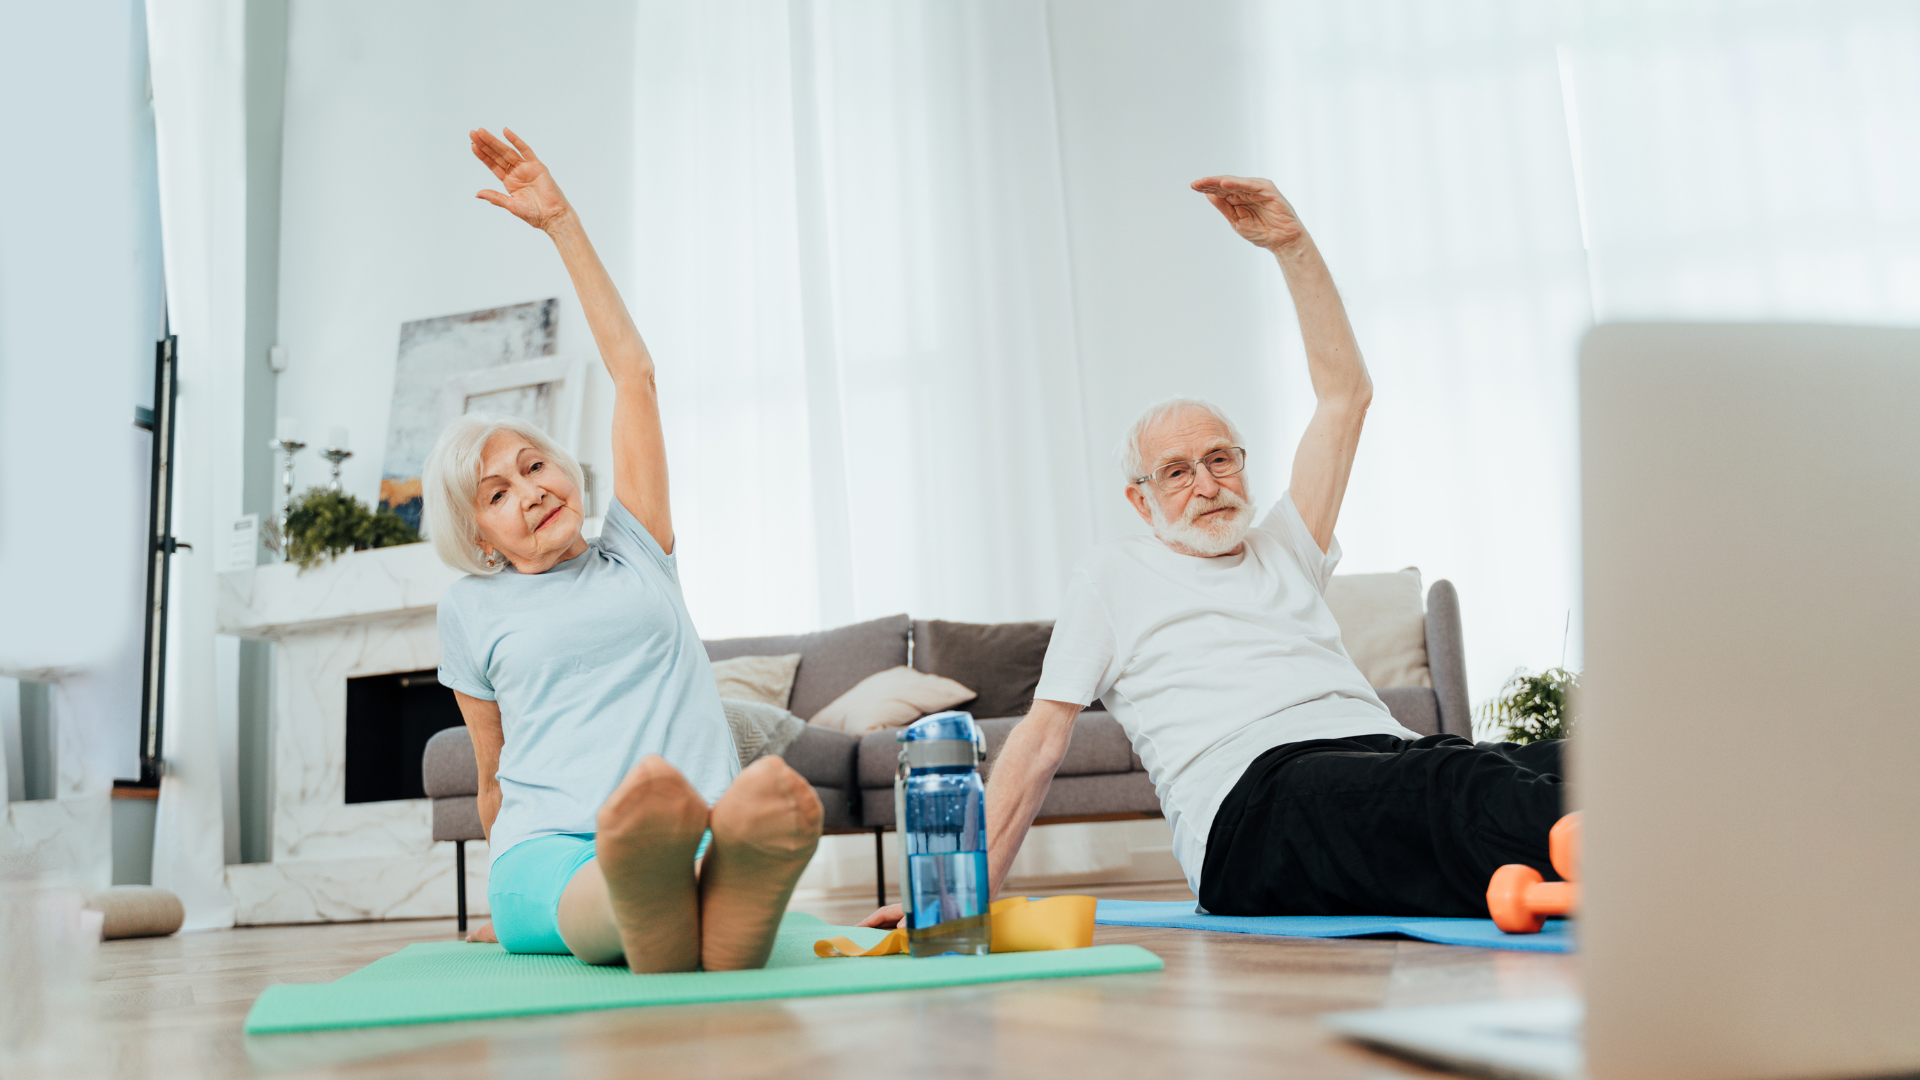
x,y
648,832
764,830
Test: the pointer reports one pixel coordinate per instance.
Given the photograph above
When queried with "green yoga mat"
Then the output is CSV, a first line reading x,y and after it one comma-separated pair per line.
x,y
453,980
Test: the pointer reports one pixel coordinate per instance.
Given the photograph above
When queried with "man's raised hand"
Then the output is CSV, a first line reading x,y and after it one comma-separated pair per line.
x,y
1255,209
531,194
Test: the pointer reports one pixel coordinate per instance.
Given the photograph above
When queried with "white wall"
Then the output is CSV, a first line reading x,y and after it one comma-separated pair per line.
x,y
379,224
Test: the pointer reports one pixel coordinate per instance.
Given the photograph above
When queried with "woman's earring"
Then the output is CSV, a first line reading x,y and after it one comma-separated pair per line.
x,y
491,561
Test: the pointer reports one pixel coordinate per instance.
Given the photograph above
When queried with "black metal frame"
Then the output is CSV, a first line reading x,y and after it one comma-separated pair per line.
x,y
460,881
160,549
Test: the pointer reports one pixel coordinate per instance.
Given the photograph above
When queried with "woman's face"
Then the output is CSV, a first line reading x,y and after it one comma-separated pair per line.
x,y
527,509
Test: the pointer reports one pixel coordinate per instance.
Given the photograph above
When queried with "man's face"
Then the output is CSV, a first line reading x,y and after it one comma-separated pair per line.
x,y
1209,516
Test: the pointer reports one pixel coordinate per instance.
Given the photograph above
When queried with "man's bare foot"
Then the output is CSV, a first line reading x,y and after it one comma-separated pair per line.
x,y
764,830
649,830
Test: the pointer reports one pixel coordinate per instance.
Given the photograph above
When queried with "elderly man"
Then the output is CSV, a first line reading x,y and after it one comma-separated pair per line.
x,y
1290,788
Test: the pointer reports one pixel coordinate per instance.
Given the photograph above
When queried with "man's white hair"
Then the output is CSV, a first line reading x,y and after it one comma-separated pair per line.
x,y
1133,455
452,477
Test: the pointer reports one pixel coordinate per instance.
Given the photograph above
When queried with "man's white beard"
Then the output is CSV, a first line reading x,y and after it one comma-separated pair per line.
x,y
1221,533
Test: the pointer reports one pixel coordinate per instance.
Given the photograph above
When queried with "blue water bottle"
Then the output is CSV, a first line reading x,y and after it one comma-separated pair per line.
x,y
940,811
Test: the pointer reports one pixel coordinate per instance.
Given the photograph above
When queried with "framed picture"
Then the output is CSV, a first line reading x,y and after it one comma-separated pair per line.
x,y
438,350
544,392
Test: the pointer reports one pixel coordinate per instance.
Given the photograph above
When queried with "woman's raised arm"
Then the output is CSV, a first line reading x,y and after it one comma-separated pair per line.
x,y
639,446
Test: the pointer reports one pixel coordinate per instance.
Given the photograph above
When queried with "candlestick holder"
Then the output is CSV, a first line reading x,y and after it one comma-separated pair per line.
x,y
287,447
336,455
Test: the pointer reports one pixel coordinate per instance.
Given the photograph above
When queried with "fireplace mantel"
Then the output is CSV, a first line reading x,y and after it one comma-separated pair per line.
x,y
364,613
385,583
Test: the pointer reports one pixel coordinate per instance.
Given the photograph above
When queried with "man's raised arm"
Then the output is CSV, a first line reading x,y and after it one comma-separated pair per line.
x,y
1341,386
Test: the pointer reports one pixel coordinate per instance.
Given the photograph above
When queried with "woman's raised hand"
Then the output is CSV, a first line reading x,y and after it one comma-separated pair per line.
x,y
1255,209
531,194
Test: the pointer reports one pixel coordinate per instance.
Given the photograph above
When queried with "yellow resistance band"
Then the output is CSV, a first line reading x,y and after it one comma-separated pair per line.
x,y
1019,925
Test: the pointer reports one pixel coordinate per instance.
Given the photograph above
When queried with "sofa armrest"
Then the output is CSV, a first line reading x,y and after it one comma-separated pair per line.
x,y
1447,659
448,767
825,757
457,817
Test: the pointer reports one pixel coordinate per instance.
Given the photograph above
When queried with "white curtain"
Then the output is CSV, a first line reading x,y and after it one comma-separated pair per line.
x,y
1751,160
854,266
196,50
1427,151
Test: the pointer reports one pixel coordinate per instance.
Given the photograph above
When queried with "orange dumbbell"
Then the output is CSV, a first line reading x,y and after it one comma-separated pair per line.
x,y
1521,900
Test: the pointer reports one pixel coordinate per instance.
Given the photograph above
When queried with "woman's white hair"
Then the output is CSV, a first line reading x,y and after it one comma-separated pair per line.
x,y
1133,455
452,477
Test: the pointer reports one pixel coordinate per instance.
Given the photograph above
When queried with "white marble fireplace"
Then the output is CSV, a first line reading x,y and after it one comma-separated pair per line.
x,y
365,613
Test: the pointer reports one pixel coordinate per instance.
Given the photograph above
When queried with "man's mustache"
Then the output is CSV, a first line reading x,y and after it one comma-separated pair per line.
x,y
1200,505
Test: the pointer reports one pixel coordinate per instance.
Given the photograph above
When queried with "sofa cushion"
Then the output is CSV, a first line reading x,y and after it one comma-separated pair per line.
x,y
1068,796
892,698
759,729
1415,707
765,679
1383,625
832,662
1099,747
1000,661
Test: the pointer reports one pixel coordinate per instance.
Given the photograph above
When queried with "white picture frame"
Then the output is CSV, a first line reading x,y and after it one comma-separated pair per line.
x,y
546,391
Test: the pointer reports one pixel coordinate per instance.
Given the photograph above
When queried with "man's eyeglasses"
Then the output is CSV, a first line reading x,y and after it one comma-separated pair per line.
x,y
1178,475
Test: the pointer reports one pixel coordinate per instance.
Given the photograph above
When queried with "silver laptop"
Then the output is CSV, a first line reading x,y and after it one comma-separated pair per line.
x,y
1749,757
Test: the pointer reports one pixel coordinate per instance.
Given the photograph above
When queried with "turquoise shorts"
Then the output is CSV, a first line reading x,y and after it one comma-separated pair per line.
x,y
524,887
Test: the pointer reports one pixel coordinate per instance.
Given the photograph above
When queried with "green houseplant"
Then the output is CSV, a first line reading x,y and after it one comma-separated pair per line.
x,y
322,523
1532,708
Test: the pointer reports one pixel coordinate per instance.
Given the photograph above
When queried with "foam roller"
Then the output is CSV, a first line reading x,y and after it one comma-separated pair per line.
x,y
137,911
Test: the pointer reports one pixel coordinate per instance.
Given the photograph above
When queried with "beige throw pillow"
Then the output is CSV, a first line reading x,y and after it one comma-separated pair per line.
x,y
895,697
1384,625
766,679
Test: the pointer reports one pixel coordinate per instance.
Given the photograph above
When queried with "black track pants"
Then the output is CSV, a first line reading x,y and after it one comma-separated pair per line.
x,y
1377,825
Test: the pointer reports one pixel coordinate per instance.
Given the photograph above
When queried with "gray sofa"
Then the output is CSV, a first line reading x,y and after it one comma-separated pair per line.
x,y
1100,780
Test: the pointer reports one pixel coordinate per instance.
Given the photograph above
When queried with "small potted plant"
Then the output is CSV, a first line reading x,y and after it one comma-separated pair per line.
x,y
1531,708
323,523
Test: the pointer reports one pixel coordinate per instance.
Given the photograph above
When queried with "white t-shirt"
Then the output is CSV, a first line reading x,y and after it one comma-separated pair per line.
x,y
1208,663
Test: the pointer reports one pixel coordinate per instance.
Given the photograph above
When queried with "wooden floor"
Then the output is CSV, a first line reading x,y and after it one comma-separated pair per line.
x,y
1226,1005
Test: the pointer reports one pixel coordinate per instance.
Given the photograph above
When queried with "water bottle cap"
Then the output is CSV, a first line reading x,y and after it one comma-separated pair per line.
x,y
942,741
953,724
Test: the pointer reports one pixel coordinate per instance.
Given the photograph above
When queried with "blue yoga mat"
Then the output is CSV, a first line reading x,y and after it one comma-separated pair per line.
x,y
1556,936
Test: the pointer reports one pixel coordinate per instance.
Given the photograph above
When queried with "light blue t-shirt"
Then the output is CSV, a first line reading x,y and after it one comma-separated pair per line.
x,y
595,664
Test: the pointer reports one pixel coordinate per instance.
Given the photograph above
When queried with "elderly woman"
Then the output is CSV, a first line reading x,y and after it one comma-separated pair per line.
x,y
620,822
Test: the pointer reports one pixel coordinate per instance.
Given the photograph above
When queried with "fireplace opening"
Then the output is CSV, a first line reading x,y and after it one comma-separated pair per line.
x,y
389,720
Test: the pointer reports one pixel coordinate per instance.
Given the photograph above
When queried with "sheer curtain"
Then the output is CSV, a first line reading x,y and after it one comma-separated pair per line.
x,y
854,253
1751,160
197,61
1426,148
